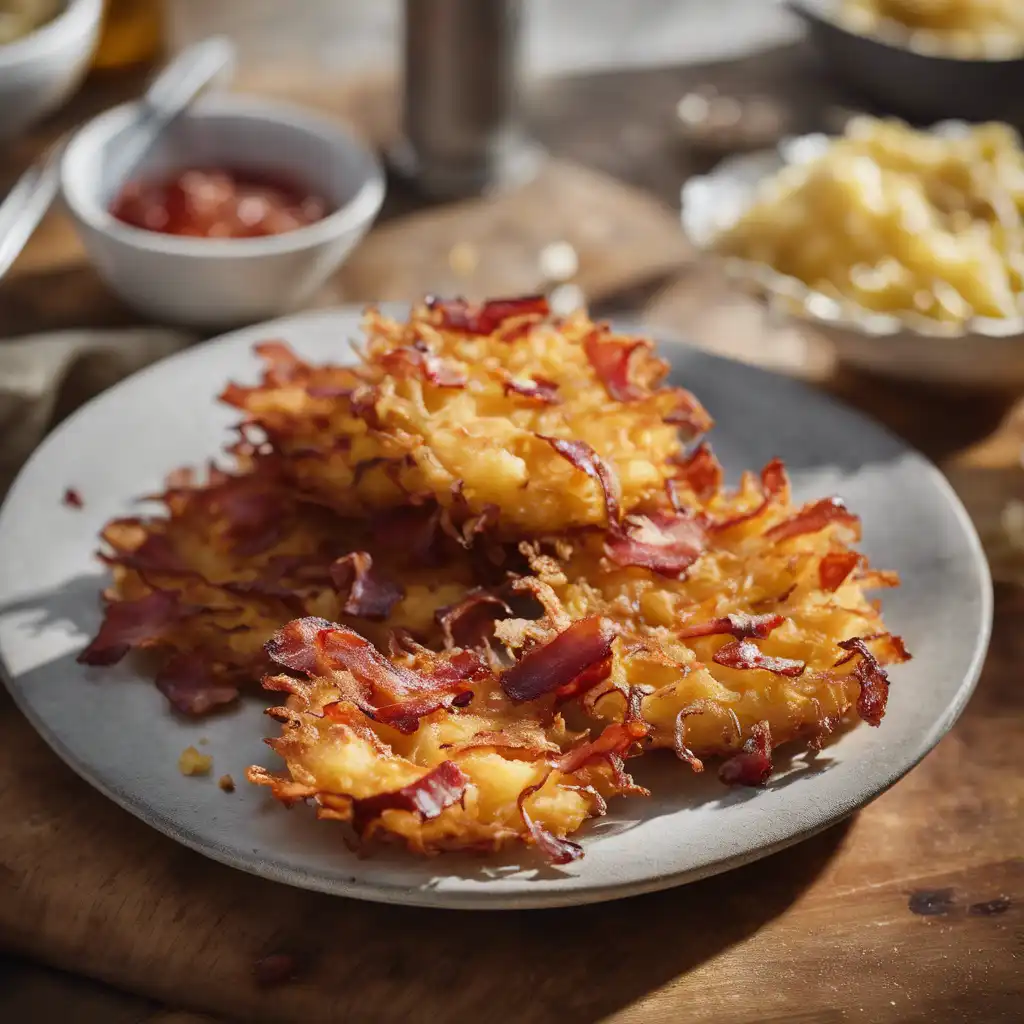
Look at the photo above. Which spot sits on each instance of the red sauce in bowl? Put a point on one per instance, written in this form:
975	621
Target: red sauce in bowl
218	203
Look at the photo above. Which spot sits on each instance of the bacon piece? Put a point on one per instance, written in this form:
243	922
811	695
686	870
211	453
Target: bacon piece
193	685
385	692
555	848
813	518
295	645
460	522
682	751
835	567
742	654
615	740
418	361
409	528
470	622
701	472
256	513
283	365
558	662
663	542
689	413
459	315
742	627
585	459
611	358
540	389
874	683
370	596
774	485
129	624
427	797
752	766
72	498
155	554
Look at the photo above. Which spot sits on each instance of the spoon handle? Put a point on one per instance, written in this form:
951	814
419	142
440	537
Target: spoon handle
26	204
170	94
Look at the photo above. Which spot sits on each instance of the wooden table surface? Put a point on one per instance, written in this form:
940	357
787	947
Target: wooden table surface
910	911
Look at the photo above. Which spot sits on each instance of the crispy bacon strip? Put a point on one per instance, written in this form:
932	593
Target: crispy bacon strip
813	518
874	683
559	662
428	796
774	485
835	567
752	766
689	413
555	848
701	472
611	358
615	740
155	554
283	365
682	751
385	692
128	624
410	528
370	596
470	622
540	389
459	315
665	543
418	361
585	459
194	686
742	627
742	654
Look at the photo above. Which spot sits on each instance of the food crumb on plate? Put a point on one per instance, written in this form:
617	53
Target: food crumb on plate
226	783
192	762
72	498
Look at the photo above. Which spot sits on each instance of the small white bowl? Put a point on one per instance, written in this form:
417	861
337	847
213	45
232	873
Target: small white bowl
224	282
982	354
40	71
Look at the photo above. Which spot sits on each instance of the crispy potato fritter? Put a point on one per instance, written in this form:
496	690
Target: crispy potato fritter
487	565
503	424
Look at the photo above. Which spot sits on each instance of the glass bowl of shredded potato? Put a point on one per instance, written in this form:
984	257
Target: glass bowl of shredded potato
924	59
904	247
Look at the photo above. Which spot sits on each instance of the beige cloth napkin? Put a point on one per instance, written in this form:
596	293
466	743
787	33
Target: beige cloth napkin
44	377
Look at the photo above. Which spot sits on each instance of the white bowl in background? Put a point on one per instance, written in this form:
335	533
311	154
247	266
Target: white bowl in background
984	353
41	70
223	282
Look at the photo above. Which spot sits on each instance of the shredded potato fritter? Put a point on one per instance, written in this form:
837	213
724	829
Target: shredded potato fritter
486	567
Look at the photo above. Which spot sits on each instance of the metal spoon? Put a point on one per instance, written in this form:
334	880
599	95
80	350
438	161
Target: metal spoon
172	92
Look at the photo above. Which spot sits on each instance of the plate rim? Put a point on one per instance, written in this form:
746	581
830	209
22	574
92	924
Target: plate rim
478	899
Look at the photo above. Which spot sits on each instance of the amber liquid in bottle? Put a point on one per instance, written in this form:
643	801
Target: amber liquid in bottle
133	33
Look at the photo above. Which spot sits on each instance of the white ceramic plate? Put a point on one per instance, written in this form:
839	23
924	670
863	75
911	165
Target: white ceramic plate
115	729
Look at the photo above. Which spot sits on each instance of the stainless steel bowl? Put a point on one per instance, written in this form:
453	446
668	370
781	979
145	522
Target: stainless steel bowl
921	86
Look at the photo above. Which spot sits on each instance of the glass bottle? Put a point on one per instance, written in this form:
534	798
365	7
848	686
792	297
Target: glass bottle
133	33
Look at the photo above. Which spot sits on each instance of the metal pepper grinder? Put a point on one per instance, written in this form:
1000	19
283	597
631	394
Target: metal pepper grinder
461	125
